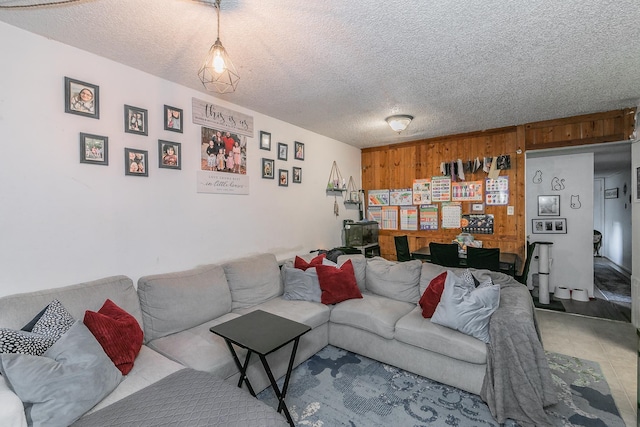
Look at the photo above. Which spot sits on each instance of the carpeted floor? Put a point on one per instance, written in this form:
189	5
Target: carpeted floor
340	388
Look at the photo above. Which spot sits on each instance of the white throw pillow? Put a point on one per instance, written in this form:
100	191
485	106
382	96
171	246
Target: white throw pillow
301	285
465	308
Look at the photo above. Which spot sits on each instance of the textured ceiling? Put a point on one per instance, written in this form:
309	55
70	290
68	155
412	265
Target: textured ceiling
339	67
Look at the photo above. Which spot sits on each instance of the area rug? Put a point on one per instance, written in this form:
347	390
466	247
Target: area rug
339	388
615	286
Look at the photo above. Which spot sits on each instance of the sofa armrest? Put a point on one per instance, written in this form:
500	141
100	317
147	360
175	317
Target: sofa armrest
11	408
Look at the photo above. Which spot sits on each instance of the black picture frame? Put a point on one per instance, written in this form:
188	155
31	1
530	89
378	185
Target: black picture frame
298	152
296	175
173	119
268	167
76	98
141	160
136	120
265	140
169	154
611	193
283	151
94	149
549	226
283	177
549	205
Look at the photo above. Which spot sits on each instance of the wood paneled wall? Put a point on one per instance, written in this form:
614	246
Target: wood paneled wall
396	166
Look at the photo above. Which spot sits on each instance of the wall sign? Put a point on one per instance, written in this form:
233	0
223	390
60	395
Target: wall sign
207	114
222	183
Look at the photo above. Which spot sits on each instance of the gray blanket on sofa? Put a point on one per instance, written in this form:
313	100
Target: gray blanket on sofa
186	398
518	383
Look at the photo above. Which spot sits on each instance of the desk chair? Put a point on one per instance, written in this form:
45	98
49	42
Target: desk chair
402	248
525	270
487	258
445	254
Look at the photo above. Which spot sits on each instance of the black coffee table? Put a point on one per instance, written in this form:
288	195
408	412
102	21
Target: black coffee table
262	333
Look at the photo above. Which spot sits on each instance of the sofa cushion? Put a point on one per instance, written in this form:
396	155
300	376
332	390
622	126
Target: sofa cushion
72	376
397	280
118	333
415	330
359	268
372	313
301	284
173	302
253	280
337	283
303	264
313	314
431	296
466	308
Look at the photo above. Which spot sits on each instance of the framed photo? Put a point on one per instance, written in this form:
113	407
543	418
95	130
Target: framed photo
297	175
298	150
265	140
169	155
136	162
611	193
282	151
549	226
267	168
548	205
81	98
135	120
172	119
94	149
284	178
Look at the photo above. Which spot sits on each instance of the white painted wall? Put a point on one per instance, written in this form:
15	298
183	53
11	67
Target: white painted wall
572	253
617	221
64	222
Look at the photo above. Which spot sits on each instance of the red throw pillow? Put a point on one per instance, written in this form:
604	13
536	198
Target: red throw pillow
118	333
431	296
303	265
337	284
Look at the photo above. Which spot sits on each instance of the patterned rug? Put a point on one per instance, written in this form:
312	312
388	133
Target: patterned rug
615	286
339	388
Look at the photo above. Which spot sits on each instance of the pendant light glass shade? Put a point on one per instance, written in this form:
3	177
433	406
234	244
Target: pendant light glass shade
399	122
218	73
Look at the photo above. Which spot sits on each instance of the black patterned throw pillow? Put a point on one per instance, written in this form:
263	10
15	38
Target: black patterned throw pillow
54	322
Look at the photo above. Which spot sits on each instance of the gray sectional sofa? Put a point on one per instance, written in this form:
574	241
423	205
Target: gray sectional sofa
177	309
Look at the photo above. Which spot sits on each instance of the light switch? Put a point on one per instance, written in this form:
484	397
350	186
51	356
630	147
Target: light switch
510	210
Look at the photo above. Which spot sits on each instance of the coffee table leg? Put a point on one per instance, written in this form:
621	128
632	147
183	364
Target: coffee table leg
242	368
281	405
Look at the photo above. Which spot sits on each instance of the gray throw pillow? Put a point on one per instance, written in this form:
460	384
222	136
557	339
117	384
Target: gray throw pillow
301	284
59	387
465	308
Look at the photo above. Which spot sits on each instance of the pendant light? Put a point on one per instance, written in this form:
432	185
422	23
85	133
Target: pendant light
218	74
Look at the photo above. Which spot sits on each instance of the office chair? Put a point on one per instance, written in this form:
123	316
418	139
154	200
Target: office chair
527	263
402	248
487	258
445	254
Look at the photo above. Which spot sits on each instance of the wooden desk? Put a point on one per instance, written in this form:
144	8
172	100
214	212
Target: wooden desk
507	259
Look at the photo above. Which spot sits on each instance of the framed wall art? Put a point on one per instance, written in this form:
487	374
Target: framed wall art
611	193
282	151
94	149
549	205
172	119
297	175
135	120
298	150
81	98
267	168
284	178
169	155
265	140
135	162
549	226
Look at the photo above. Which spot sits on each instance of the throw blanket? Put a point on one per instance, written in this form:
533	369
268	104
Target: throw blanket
186	398
518	383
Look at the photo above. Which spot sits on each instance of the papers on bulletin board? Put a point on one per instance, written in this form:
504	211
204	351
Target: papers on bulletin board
400	197
378	197
408	218
451	214
428	217
375	214
389	218
466	191
440	189
497	191
421	191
